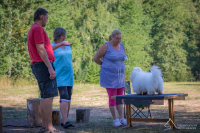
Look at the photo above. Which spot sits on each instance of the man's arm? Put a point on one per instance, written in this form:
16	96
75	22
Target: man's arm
43	54
63	43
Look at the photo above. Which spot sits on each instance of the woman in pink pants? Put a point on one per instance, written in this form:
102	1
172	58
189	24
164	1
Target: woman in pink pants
112	78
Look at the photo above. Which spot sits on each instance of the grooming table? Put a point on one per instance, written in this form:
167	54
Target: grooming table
150	99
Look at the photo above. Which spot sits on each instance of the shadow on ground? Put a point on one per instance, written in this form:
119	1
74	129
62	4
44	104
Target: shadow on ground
15	121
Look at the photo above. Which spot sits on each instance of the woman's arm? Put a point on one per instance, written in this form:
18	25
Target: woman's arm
100	53
63	43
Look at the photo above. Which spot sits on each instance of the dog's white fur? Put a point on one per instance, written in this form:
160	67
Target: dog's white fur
150	82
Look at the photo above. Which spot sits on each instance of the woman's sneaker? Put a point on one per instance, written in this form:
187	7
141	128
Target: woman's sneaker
123	121
116	123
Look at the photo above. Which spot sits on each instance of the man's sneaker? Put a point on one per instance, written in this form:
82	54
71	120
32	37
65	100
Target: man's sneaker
123	121
53	130
116	123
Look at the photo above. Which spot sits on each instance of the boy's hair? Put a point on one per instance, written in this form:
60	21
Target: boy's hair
38	13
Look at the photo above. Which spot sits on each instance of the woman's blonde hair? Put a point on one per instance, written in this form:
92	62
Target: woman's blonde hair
114	33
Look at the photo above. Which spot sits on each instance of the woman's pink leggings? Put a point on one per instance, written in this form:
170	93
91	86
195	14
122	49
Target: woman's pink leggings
114	92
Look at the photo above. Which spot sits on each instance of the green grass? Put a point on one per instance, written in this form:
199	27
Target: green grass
14	98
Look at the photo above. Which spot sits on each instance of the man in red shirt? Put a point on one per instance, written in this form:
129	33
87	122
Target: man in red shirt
42	57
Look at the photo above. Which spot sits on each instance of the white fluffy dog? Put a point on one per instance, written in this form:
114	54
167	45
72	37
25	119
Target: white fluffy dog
148	82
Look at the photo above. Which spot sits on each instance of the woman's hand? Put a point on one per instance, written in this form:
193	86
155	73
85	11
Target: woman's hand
67	43
100	53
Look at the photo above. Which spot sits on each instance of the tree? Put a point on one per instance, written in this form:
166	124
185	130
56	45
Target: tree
168	35
135	28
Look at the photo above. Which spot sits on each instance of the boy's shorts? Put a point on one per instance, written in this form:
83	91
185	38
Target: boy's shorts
48	87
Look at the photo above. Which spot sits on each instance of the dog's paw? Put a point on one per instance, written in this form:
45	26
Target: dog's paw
145	93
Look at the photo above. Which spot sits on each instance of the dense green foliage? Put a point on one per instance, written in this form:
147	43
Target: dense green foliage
161	32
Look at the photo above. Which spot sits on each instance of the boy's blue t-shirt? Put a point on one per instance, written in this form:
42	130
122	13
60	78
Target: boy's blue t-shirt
63	66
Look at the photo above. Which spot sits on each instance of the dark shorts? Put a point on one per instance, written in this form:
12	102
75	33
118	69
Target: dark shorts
65	93
48	87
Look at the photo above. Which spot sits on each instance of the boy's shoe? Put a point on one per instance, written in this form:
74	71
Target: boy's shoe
53	130
72	125
123	121
116	123
67	124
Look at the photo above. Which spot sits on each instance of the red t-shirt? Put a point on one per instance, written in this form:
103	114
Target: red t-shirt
35	36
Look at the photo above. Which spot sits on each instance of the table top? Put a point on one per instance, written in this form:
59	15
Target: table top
151	97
